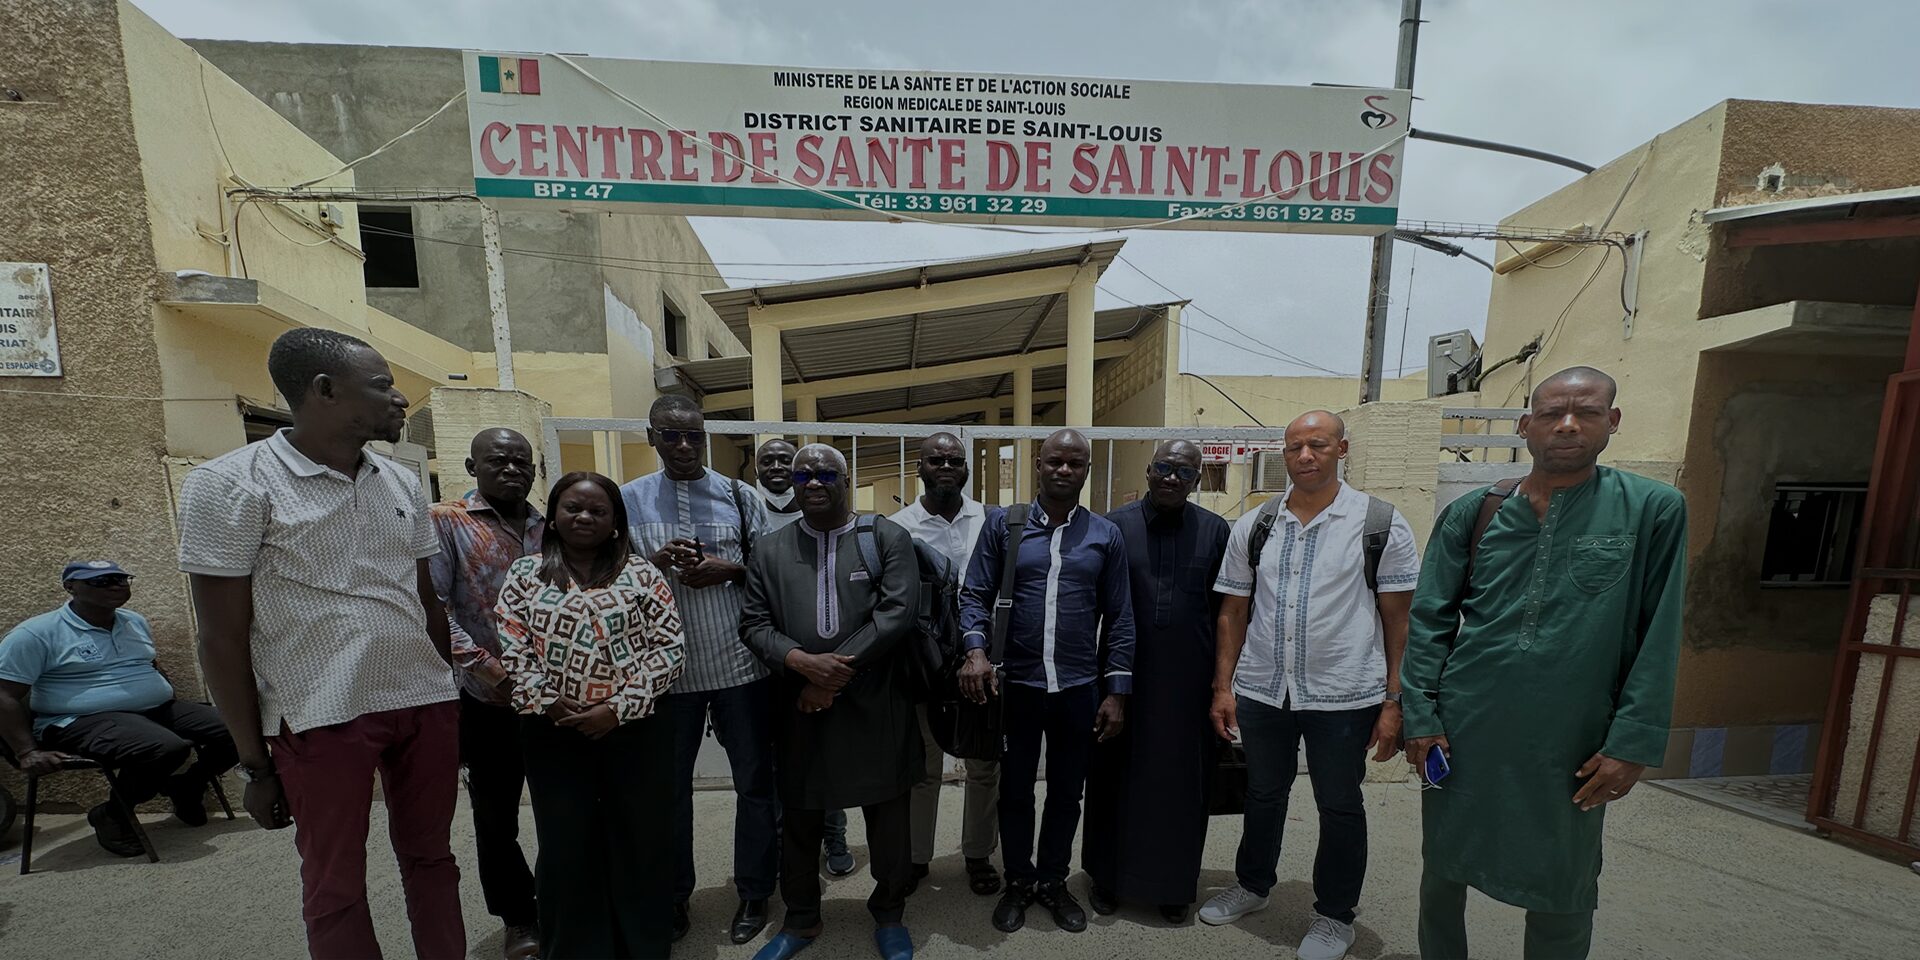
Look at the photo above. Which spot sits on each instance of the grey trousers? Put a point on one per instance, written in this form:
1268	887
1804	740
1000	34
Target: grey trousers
980	824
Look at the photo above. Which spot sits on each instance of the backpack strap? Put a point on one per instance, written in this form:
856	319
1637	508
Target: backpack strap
1262	531
1379	527
746	530
1489	505
869	545
1002	622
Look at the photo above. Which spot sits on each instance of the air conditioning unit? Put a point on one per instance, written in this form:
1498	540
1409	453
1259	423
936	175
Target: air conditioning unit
1269	471
1451	357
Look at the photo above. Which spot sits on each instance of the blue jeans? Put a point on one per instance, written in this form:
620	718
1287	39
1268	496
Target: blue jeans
1336	763
743	722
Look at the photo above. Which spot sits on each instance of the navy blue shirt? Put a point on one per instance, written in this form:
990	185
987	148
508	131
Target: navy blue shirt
1072	601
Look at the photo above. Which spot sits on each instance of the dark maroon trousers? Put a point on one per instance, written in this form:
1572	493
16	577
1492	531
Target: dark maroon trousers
328	776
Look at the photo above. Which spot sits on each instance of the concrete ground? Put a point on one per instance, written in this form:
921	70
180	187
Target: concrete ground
1683	880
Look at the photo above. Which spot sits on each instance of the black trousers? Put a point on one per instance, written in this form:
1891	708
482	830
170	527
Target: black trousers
600	811
889	846
147	746
1065	720
496	777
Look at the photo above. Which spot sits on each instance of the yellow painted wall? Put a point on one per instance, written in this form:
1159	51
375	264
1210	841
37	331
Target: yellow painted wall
1656	366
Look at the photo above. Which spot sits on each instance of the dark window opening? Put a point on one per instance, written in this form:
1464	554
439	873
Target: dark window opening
674	324
1812	533
1213	478
262	422
386	237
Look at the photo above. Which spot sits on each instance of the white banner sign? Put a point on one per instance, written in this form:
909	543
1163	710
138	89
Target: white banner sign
729	140
28	344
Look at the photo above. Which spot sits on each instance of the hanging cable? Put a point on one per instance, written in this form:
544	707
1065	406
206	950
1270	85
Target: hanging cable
410	131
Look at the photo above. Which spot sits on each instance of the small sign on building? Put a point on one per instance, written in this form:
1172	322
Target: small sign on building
29	346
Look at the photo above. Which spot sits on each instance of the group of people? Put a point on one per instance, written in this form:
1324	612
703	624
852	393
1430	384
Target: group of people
582	653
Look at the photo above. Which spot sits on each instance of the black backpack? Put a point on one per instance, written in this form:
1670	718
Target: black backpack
936	636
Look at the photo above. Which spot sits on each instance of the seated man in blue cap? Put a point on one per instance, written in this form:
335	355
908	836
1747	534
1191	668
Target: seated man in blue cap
97	694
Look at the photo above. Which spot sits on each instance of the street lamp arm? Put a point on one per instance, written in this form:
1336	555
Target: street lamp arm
1499	148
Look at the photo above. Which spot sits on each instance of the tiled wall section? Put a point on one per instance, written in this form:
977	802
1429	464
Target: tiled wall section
1739	751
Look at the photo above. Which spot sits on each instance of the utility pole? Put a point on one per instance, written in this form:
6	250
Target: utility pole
1373	356
497	295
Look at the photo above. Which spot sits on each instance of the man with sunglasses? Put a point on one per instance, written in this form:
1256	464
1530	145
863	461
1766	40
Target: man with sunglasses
700	529
1068	666
98	694
945	518
1318	585
829	602
1147	789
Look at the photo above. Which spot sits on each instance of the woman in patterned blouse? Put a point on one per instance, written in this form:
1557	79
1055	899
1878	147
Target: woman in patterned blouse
590	639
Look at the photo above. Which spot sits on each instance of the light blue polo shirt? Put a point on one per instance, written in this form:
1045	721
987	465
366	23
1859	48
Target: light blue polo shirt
77	669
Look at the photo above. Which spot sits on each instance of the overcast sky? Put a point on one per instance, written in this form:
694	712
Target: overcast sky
1586	80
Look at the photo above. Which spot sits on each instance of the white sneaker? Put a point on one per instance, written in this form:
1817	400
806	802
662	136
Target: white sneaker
1231	904
1327	939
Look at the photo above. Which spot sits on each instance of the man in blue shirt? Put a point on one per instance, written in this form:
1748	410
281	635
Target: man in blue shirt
96	693
1068	664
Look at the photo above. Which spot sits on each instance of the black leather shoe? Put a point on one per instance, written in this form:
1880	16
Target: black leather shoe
1174	913
1101	901
113	833
748	921
1011	913
1067	913
681	922
189	803
982	878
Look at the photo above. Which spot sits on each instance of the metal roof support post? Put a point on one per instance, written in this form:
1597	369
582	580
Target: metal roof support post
1023	417
497	296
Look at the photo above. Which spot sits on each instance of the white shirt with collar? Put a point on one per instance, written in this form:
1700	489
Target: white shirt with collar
953	538
1314	638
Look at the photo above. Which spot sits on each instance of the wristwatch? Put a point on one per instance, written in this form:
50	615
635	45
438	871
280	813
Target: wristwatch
252	775
1394	697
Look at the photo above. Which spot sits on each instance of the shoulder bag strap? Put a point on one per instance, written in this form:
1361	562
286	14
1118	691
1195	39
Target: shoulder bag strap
869	545
1262	531
1009	564
1489	505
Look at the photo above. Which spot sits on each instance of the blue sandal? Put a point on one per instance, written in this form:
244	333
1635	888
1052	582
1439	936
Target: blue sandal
782	946
895	943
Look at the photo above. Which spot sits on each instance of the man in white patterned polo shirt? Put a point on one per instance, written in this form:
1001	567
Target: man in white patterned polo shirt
325	646
1318	585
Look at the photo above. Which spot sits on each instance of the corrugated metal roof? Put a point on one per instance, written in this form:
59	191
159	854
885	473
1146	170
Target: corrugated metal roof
732	304
1809	205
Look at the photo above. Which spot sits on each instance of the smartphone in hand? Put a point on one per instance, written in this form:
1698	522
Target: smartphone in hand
1437	768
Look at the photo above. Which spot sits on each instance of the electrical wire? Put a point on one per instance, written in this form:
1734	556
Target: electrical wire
1258	343
698	144
1547	341
410	131
583	259
1228	396
1190	328
1406	314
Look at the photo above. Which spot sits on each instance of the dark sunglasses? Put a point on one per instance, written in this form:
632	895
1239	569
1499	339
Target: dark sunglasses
673	438
108	581
1162	468
827	478
938	462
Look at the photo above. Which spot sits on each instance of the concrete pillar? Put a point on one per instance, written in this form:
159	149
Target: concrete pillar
769	403
608	457
461	412
1080	350
1023	417
806	408
986	458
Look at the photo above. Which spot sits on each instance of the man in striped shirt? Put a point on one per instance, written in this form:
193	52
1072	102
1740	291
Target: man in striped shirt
698	527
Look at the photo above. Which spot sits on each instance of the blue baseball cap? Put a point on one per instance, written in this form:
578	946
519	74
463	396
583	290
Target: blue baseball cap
88	569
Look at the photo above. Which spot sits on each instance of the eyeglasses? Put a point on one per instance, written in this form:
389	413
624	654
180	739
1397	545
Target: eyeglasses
110	580
938	462
827	478
674	438
1162	468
